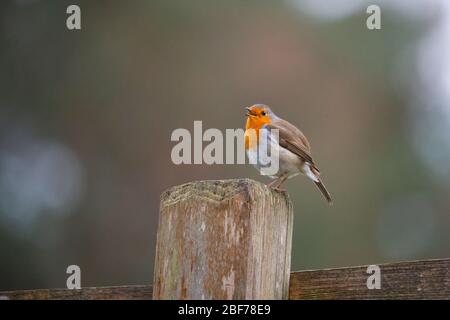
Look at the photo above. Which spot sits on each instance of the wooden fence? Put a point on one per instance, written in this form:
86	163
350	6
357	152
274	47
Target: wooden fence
232	240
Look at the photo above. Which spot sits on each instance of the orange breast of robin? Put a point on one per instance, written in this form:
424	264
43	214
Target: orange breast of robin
252	130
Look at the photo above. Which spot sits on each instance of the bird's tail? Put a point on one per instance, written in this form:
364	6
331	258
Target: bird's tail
324	191
314	175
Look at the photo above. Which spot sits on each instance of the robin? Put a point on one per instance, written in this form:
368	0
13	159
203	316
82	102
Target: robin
294	151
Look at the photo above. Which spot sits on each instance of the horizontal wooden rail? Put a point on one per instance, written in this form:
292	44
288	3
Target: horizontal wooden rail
426	279
91	293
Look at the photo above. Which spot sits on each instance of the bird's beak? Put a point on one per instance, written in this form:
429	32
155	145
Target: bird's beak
249	112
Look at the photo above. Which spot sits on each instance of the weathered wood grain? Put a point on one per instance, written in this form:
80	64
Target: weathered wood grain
92	293
224	239
427	279
232	240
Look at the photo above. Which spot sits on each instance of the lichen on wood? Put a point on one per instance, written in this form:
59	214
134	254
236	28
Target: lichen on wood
223	239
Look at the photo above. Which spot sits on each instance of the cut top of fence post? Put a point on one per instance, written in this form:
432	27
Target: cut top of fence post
224	239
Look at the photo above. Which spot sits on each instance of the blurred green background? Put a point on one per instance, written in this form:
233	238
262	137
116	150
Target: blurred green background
86	118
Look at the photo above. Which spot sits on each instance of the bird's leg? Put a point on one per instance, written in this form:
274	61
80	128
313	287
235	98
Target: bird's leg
282	179
273	182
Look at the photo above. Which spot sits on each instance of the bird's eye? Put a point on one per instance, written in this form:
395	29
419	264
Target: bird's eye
263	113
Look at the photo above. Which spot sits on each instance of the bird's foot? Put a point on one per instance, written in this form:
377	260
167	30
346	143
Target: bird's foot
272	183
278	189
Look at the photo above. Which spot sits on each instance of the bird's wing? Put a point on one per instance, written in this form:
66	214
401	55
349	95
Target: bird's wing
292	139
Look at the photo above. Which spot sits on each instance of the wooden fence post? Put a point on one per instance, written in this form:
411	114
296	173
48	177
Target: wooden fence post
225	239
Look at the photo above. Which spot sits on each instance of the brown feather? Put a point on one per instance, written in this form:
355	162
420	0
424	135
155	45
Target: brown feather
291	138
324	191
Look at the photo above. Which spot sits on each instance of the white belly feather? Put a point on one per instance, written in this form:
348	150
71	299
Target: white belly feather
289	163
